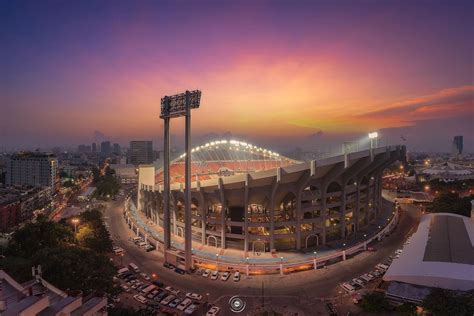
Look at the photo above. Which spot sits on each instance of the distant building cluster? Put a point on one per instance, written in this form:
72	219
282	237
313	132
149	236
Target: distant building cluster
445	171
457	148
18	204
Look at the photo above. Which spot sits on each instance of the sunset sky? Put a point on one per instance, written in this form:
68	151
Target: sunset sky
275	73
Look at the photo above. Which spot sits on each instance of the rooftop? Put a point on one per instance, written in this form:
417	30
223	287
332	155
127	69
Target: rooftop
439	254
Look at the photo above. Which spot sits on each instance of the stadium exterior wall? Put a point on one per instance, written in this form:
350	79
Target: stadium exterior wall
293	207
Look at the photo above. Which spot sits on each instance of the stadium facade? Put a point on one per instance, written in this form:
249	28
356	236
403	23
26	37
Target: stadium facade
252	199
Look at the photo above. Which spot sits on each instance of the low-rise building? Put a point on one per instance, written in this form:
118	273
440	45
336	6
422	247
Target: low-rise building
38	297
18	204
439	255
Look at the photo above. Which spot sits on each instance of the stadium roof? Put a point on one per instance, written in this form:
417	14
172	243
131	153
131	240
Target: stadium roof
223	158
232	150
440	254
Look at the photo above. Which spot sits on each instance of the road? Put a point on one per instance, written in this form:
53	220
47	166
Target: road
303	289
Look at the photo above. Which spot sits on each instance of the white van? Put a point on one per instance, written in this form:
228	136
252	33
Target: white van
122	271
349	288
134	267
182	306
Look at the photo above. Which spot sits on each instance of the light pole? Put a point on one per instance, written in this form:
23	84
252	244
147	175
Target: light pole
247	260
281	265
171	107
217	261
314	262
75	221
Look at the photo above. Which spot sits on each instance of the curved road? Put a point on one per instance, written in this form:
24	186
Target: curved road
302	288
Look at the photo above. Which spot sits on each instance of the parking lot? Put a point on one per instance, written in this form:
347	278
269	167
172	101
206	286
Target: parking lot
312	289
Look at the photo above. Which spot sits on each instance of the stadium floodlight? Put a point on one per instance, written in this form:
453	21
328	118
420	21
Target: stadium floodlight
175	105
373	135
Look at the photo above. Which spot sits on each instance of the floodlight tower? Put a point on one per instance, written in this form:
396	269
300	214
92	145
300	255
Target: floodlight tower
176	106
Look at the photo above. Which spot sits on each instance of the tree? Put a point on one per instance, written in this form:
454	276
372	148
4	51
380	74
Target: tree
18	267
27	240
76	268
452	203
445	302
374	303
408	309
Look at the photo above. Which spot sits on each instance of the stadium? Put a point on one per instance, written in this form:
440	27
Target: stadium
252	199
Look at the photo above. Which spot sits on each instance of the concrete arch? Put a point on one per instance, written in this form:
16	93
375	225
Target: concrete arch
214	238
178	230
262	243
309	236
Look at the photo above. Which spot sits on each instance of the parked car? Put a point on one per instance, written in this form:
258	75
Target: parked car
185	303
125	288
213	311
358	281
172	290
236	276
145	276
179	271
225	276
161	296
174	303
167	299
191	309
199	271
206	273
139	298
168	265
214	275
194	296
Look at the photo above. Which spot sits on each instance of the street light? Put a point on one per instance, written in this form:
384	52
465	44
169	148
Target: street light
217	261
75	221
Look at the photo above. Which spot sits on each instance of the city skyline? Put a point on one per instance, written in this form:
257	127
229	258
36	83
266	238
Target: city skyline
306	75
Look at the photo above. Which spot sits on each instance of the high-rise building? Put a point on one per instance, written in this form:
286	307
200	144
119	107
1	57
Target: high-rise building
84	149
457	146
141	152
35	169
94	147
105	148
117	150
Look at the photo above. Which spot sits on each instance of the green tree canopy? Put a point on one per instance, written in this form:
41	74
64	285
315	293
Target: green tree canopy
374	303
445	302
452	203
27	240
407	309
76	268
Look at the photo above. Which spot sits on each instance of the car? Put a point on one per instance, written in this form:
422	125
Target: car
358	281
191	309
134	286
153	304
139	298
152	294
199	271
225	276
167	299
215	275
145	276
236	276
150	248
125	288
172	290
179	271
174	303
185	303
168	265
206	273
194	296
213	311
161	296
